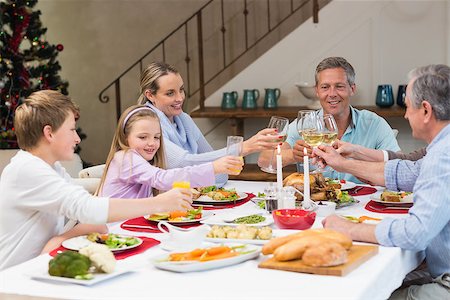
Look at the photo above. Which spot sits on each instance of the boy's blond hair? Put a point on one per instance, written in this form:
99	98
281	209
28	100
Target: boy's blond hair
41	108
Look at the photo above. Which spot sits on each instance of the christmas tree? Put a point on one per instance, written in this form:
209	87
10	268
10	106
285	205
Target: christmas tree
27	62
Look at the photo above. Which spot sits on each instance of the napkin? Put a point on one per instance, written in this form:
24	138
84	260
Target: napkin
149	226
361	190
383	209
230	205
147	243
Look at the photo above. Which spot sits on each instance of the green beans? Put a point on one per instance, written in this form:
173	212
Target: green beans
252	219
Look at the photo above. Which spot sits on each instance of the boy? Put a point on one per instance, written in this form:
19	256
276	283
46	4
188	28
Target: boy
35	190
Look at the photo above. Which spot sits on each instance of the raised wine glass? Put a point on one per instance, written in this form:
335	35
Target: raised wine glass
281	124
330	130
310	127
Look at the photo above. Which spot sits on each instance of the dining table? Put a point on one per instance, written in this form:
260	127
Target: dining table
376	278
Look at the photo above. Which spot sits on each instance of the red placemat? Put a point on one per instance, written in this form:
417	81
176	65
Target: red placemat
147	243
383	209
147	226
361	190
231	205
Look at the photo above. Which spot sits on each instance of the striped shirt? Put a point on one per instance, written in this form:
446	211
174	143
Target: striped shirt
427	226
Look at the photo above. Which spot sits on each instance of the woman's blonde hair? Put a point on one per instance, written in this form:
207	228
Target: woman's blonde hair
120	140
150	76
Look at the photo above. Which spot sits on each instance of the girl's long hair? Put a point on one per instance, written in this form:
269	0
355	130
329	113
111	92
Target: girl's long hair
120	139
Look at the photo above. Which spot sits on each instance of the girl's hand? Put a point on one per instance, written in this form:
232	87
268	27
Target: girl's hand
174	199
231	165
266	139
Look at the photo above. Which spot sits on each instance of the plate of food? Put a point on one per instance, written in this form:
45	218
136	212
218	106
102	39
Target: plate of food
240	234
115	242
340	184
180	217
73	267
214	195
233	219
363	219
202	259
391	198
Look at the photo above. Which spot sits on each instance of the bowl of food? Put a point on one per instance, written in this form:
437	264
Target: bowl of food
294	218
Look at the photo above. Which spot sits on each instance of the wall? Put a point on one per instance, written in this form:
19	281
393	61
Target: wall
383	40
101	39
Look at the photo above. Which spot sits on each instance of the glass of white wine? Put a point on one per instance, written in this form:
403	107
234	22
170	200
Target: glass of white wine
281	124
310	127
330	130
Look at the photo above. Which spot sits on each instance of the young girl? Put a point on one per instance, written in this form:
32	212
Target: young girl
136	161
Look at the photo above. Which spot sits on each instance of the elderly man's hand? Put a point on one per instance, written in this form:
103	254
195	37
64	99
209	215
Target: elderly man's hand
298	149
330	157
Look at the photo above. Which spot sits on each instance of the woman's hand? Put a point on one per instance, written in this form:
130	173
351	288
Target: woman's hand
231	165
266	139
345	149
174	199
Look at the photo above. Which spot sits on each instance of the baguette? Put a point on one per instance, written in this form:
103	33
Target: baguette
273	244
325	255
295	248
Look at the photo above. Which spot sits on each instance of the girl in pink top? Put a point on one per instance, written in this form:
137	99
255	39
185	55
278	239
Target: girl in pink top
135	164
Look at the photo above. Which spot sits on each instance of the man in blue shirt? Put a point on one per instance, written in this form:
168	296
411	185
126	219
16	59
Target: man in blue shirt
335	84
427	226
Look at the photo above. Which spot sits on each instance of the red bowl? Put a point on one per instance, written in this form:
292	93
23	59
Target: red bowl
294	218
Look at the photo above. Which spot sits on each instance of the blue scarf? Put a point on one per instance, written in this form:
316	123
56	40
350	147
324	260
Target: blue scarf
183	134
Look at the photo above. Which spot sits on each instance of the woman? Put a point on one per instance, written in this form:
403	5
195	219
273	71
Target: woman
162	89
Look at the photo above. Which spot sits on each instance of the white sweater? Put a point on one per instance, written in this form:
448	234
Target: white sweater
34	199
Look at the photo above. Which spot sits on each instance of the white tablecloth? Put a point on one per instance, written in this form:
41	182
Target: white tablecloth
374	279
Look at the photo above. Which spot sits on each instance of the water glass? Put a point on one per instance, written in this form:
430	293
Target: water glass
235	145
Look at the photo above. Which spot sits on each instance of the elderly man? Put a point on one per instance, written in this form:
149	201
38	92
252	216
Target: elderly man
427	226
335	84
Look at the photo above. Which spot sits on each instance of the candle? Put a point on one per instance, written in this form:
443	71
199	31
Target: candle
306	188
279	169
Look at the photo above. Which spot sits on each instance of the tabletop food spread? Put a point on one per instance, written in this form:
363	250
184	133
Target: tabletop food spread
242	238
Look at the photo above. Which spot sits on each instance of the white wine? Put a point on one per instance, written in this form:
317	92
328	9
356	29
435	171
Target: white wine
312	137
329	137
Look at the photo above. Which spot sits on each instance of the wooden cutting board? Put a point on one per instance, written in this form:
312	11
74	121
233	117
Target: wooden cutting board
356	256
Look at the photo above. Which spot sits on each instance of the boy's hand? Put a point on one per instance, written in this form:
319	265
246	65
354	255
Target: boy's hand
231	165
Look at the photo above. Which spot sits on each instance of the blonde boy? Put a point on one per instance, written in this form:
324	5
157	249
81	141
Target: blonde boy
36	193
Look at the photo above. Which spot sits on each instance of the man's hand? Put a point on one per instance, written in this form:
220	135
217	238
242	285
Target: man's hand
356	231
330	157
299	152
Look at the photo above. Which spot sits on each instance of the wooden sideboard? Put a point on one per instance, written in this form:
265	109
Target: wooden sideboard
237	116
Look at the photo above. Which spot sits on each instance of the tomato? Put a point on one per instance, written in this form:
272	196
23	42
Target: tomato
342	181
198	216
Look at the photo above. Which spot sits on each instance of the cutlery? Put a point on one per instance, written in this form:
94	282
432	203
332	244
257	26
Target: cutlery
356	190
140	226
391	207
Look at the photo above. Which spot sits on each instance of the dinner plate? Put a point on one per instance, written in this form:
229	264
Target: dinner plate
408	203
250	252
205	215
208	200
79	242
275	233
222	220
347	185
42	274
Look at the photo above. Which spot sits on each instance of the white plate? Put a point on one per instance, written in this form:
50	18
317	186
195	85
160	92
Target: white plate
42	273
193	266
347	185
275	233
168	245
208	200
220	220
408	203
205	215
79	242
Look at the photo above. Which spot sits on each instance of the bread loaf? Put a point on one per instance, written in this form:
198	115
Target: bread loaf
295	248
390	196
273	244
325	255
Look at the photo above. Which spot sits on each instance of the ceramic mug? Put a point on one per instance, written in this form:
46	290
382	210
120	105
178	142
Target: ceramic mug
183	239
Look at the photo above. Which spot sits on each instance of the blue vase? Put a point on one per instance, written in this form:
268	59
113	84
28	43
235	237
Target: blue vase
385	96
401	95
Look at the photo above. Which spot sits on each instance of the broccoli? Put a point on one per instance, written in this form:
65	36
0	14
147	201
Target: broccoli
69	264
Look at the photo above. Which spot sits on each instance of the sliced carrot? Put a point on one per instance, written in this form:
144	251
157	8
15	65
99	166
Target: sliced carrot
197	252
177	214
218	250
219	256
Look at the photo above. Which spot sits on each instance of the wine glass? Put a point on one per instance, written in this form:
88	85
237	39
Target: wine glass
330	130
281	124
310	127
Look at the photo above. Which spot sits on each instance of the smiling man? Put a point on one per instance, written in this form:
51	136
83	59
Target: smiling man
335	85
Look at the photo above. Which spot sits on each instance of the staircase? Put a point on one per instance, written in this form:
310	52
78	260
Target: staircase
217	42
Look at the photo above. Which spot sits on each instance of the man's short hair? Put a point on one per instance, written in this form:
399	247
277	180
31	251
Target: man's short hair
432	83
333	63
41	108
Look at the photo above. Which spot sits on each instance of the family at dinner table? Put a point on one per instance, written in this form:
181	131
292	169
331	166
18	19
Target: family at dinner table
156	143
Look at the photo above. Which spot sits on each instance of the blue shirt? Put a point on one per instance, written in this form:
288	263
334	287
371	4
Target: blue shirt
366	128
427	226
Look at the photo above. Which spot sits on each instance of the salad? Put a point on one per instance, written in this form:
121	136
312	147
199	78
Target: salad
216	193
177	216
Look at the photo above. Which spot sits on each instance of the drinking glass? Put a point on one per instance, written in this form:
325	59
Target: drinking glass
330	130
183	182
235	146
281	124
310	127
